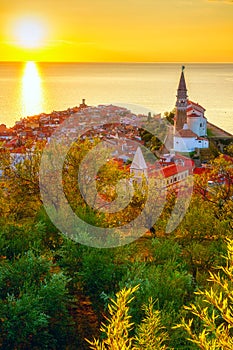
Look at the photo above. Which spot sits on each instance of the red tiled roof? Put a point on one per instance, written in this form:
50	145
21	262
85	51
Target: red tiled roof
12	142
187	161
199	171
186	133
170	170
173	170
21	149
191	103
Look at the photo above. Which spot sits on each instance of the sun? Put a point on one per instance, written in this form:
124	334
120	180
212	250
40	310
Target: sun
29	33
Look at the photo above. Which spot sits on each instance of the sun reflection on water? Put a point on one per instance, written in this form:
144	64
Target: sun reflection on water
32	93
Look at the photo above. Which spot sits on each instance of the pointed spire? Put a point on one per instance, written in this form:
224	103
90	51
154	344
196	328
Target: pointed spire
138	161
138	167
181	103
182	90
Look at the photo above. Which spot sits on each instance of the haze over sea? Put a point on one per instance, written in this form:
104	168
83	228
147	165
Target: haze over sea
32	88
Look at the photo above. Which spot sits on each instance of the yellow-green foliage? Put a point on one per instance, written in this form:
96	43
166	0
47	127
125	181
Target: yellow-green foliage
118	325
217	316
117	330
150	334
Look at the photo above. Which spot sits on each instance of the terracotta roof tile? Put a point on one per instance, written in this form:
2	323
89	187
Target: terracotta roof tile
195	104
186	133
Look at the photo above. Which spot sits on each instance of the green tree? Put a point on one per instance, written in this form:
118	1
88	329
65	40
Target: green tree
229	149
34	304
201	237
20	183
215	186
170	116
214	310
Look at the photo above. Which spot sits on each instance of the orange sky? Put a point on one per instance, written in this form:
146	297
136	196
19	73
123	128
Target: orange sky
117	30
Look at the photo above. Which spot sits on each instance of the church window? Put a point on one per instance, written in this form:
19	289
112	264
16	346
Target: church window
200	125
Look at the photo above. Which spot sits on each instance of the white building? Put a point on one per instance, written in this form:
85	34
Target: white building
190	126
187	141
196	120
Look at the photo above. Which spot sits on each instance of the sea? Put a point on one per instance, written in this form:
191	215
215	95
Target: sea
30	88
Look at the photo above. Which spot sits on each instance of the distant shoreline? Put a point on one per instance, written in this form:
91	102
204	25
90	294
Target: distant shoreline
151	85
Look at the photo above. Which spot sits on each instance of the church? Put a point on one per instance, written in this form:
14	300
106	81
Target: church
188	134
190	123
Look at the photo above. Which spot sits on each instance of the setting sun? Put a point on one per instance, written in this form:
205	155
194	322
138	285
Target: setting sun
29	33
116	31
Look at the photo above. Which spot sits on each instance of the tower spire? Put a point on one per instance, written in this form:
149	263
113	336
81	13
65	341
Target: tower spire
181	103
182	90
138	166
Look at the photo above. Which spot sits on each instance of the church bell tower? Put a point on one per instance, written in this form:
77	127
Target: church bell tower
181	103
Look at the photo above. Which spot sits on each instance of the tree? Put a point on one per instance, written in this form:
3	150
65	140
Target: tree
214	310
229	149
151	141
34	305
215	186
170	116
201	236
20	183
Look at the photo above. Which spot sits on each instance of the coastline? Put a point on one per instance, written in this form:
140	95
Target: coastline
150	85
218	132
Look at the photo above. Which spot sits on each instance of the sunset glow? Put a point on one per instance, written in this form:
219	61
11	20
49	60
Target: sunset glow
31	98
117	31
29	33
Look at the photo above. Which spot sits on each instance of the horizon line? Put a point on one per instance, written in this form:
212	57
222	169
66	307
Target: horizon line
122	62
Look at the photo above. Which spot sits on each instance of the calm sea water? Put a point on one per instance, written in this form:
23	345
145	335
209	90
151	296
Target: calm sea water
32	88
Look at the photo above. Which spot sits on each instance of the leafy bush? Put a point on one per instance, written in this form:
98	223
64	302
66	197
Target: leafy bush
34	305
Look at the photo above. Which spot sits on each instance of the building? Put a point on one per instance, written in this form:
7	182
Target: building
138	166
187	141
196	119
190	124
181	104
167	174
